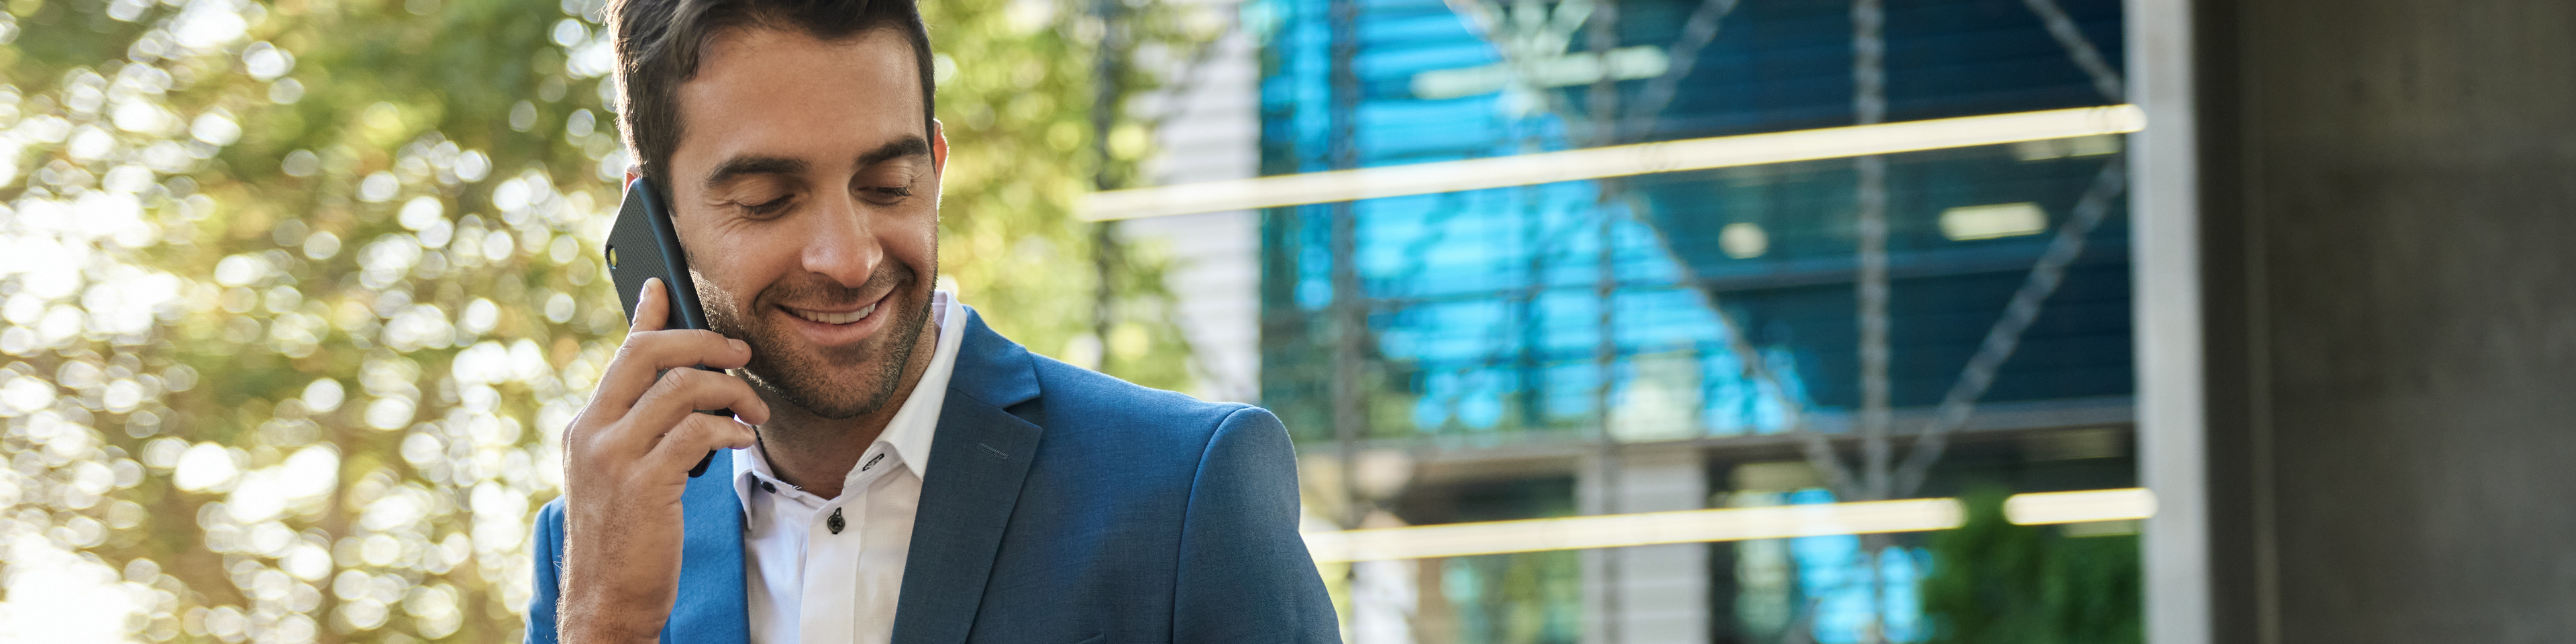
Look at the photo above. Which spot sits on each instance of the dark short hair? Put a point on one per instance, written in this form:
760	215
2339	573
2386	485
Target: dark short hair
659	43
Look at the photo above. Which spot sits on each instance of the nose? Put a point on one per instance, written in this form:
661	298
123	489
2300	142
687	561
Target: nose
842	242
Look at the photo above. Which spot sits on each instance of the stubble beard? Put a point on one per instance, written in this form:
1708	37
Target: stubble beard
835	383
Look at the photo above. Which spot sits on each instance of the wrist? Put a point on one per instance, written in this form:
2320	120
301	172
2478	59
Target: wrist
594	631
591	620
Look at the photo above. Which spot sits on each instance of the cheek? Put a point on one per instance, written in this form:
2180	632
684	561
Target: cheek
738	264
916	243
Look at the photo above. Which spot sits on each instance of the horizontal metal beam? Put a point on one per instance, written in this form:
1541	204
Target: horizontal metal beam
1619	530
1613	161
2043	508
1726	524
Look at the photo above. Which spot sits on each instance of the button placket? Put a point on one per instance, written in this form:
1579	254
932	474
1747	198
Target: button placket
828	599
855	491
833	600
858	486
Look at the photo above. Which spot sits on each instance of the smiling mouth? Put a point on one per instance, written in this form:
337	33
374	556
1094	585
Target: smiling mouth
846	317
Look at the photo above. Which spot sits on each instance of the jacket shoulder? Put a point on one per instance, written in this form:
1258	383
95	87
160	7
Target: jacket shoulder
1073	397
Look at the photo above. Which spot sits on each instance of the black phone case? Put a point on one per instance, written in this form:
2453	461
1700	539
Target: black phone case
641	246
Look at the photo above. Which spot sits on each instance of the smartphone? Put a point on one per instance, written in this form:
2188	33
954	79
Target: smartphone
642	245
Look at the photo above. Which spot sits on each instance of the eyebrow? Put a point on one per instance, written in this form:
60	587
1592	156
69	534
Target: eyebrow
909	146
738	167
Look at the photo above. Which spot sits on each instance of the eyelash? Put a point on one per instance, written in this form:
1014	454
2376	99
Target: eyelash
769	208
772	206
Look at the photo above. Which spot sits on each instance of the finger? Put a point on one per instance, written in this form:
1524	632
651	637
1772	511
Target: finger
646	353
683	392
681	448
644	356
652	308
670	403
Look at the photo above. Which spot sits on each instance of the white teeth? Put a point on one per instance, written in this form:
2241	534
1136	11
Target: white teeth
836	318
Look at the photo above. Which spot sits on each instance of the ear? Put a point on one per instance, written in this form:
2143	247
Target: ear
938	147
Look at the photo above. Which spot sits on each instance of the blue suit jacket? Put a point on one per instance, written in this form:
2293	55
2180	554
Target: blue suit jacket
1062	507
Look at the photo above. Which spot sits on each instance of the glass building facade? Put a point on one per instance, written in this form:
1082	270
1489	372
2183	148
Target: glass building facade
1712	313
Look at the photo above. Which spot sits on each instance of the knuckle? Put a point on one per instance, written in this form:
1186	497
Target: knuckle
671	380
653	390
691	431
649	342
731	386
630	355
579	430
710	432
677	431
634	344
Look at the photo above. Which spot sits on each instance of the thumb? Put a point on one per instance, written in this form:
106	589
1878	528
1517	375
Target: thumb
652	307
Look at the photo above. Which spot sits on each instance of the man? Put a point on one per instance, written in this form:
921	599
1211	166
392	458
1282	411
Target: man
896	471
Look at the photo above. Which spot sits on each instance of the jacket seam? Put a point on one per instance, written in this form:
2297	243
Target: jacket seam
1189	512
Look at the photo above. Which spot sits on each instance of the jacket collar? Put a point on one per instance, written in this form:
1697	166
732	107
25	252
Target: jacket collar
979	459
992	368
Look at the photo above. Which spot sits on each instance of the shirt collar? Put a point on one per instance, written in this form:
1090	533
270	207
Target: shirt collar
908	434
914	424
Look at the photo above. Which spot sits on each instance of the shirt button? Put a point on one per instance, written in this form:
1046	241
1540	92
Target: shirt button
835	522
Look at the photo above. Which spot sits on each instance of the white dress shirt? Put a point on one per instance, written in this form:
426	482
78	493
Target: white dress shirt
828	571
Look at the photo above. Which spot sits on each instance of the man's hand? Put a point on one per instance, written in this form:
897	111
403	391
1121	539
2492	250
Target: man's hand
626	461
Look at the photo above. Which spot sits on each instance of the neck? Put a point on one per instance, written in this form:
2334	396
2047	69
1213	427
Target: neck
815	453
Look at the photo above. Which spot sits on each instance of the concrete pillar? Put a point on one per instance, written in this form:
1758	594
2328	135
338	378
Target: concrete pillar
2388	207
1646	594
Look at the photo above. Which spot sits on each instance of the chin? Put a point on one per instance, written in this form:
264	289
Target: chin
857	379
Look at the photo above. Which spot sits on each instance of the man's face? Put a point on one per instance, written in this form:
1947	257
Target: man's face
807	193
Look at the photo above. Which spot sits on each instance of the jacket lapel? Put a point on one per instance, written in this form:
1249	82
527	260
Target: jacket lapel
979	456
711	607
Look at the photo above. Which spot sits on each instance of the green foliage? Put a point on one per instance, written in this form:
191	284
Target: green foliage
1019	92
297	296
1999	583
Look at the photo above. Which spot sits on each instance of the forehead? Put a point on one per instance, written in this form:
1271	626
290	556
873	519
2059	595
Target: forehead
784	92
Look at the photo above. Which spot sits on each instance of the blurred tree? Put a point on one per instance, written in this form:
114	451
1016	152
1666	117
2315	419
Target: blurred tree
297	296
1998	583
1020	96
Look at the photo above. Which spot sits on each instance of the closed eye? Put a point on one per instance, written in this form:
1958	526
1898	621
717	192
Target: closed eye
770	207
888	195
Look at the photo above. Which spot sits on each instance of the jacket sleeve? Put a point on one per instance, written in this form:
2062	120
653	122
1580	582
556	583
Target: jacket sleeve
1245	574
548	544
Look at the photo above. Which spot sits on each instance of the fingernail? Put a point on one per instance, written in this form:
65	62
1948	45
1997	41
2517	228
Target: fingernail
739	345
